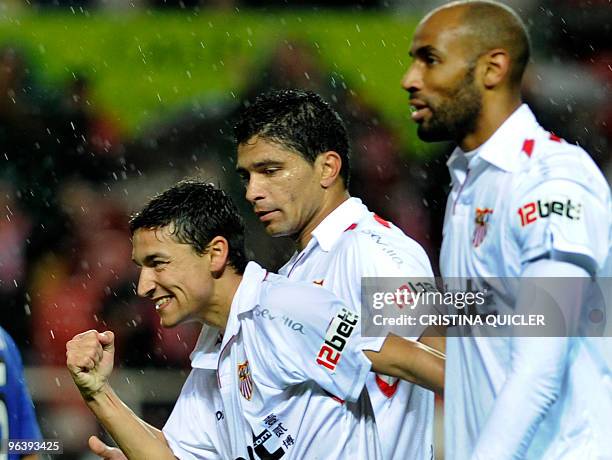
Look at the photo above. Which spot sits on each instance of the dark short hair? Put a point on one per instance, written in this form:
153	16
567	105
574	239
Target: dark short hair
298	120
199	212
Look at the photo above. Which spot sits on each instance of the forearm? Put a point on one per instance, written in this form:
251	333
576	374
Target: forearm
434	338
136	438
528	393
411	361
538	364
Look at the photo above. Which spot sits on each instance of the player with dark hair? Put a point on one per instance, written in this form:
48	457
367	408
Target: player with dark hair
283	116
279	368
17	417
293	157
197	213
524	204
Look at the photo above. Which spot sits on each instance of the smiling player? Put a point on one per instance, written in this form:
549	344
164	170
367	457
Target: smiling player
279	368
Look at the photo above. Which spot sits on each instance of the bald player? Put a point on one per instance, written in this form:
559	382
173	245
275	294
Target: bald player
524	204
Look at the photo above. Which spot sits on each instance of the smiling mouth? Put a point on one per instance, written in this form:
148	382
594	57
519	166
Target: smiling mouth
162	302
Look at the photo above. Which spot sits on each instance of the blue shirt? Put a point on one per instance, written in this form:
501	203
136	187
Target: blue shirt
17	417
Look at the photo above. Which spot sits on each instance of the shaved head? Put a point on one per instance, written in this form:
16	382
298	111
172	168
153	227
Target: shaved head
487	25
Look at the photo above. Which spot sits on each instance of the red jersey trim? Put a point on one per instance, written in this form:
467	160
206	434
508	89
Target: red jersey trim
382	221
387	390
528	147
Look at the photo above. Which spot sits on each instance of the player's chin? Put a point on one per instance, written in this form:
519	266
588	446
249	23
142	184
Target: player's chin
276	229
168	320
429	133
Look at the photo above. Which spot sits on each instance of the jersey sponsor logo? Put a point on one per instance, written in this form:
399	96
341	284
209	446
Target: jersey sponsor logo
285	320
245	380
385	247
541	209
481	221
338	333
259	450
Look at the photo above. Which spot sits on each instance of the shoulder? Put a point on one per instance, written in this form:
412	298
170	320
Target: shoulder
551	159
8	349
374	244
283	303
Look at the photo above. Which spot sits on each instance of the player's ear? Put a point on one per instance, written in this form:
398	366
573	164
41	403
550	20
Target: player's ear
218	253
330	164
496	67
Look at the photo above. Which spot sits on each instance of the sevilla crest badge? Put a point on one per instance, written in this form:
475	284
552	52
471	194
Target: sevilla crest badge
245	380
481	222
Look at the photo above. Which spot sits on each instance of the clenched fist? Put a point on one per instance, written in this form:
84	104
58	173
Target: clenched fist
89	357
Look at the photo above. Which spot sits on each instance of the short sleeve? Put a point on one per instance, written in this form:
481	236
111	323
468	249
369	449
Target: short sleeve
386	262
191	430
323	344
562	220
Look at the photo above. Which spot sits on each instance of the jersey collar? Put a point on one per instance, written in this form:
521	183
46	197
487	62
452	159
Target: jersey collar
334	225
206	352
502	149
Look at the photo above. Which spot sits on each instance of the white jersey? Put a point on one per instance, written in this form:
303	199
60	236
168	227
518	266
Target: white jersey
351	243
525	195
286	380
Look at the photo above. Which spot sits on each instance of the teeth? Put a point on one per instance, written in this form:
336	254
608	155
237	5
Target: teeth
161	302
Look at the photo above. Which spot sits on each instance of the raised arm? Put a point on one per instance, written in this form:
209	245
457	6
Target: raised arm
410	360
89	358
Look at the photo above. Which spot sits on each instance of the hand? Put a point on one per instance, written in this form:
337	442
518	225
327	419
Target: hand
89	357
104	451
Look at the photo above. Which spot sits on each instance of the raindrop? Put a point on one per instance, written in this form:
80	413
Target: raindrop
52	334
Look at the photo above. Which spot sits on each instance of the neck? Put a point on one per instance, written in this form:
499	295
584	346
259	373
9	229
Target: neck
495	112
332	199
224	290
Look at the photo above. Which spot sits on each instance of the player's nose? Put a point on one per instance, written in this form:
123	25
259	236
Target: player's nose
412	81
254	190
146	283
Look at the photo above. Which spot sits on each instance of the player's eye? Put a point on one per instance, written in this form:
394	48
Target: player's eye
430	59
244	178
158	264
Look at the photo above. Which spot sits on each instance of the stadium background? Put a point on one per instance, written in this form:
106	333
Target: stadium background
104	103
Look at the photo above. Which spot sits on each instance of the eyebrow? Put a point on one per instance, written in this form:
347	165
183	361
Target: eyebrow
423	50
150	258
260	164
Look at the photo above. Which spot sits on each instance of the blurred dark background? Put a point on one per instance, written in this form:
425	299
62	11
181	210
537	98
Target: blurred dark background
74	165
